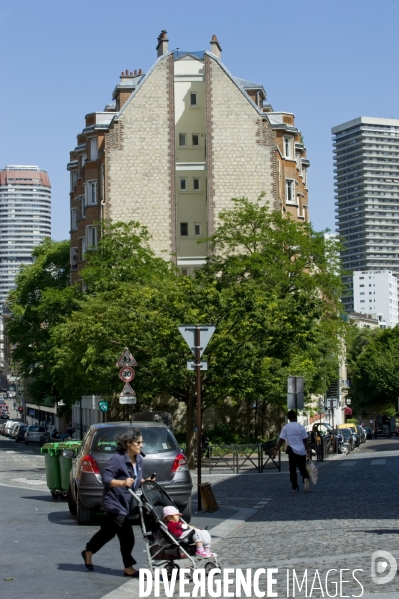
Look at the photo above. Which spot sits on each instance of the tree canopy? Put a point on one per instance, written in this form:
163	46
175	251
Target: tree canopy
271	286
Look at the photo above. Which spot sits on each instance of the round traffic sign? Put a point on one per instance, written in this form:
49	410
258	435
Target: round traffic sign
126	374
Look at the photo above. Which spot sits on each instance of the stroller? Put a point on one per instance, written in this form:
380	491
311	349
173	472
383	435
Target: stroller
163	549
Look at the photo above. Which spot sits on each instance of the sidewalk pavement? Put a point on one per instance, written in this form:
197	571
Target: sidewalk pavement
351	513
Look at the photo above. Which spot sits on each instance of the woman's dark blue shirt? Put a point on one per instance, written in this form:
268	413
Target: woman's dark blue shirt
116	500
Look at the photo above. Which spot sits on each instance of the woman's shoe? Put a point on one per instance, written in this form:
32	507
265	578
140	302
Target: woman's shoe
210	554
134	575
88	566
201	553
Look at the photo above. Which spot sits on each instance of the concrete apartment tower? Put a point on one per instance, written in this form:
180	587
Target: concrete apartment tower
375	292
172	150
366	161
25	220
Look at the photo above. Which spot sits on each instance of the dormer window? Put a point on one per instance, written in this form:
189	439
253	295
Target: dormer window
288	147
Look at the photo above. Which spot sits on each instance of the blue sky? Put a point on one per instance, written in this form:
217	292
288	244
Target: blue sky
326	61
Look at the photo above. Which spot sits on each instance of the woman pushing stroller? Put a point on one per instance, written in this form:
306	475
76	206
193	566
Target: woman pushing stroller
179	529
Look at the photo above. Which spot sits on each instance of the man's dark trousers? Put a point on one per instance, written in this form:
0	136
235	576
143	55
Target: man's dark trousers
296	461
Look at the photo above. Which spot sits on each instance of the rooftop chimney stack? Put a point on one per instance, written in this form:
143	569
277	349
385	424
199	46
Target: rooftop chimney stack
162	46
215	47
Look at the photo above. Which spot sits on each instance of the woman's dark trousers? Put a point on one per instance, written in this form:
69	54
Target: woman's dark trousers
115	524
296	461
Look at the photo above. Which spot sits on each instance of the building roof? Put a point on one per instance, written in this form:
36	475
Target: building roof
179	54
248	84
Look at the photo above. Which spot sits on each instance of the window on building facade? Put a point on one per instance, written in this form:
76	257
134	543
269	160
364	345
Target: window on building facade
74	178
196	184
182	139
288	147
74	258
91	193
82	201
290	191
93	148
195	140
183	229
83	160
193	99
83	248
184	272
183	184
197	229
74	218
91	237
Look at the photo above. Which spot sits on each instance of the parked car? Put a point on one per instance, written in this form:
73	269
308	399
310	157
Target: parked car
348	437
369	432
162	456
9	424
14	429
33	433
361	433
20	436
2	427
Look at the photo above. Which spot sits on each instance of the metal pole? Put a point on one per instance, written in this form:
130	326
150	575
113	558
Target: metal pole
199	413
81	420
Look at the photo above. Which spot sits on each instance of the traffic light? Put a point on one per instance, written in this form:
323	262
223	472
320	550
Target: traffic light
20	409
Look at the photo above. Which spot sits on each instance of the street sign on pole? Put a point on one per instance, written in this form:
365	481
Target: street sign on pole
128	390
126	359
188	332
295	393
103	405
126	374
191	365
332	402
127	400
197	338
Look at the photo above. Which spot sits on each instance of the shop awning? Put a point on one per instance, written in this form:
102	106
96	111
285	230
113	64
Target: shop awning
348	411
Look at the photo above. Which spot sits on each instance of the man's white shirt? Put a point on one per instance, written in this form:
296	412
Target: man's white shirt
294	433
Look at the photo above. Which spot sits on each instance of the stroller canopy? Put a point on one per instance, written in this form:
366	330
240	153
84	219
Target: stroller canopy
156	497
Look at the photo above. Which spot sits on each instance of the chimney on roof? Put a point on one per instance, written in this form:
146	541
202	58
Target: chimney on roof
162	46
216	47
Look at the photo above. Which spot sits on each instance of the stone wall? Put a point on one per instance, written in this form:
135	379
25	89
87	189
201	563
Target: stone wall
240	145
139	158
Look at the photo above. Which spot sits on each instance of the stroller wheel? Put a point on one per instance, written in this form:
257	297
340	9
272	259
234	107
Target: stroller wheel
170	566
208	567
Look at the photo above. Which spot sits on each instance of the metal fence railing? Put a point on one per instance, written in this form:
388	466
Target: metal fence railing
240	458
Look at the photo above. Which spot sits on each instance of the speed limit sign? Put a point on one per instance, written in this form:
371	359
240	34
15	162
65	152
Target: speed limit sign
126	374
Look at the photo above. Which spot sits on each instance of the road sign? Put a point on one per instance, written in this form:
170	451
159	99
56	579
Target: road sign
332	402
191	365
103	405
295	384
299	404
126	374
128	390
126	359
188	333
127	400
371	421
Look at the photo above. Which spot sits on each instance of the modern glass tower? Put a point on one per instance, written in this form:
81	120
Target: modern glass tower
25	219
366	161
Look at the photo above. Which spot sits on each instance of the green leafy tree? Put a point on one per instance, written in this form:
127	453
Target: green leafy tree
42	298
374	360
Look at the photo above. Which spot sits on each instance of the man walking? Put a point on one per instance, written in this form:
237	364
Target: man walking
297	448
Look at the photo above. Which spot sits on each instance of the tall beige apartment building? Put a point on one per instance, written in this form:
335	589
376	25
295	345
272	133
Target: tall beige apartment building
172	150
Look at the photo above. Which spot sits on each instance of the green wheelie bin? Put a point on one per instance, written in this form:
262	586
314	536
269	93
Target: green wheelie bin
66	462
51	453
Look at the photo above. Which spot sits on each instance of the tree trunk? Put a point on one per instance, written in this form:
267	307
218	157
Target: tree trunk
190	434
249	416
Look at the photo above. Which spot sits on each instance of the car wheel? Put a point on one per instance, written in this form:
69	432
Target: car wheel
186	513
83	513
71	501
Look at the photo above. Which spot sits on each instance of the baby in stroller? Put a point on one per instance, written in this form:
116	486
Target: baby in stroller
181	530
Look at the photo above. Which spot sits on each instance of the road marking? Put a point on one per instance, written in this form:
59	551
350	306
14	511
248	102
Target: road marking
28	481
378	462
349	463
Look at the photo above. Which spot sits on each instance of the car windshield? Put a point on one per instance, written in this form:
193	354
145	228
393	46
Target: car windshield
155	440
36	429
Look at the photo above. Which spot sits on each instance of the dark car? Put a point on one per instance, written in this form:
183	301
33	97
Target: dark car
162	456
369	432
20	436
348	437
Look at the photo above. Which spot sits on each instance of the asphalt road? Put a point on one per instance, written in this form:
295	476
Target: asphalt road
41	542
